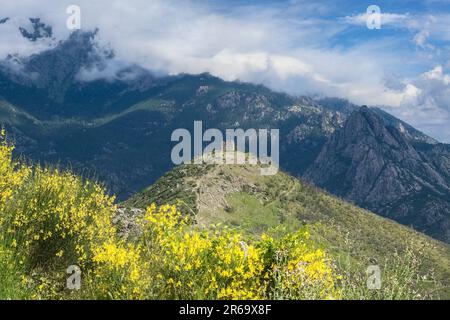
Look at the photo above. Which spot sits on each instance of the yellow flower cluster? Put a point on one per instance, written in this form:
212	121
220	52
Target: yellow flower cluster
204	264
49	215
119	271
198	264
50	219
298	270
11	174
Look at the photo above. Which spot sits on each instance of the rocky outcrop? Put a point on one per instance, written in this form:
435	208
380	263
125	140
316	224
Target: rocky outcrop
126	220
377	167
118	130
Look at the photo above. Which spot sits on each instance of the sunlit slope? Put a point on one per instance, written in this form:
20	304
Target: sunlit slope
239	196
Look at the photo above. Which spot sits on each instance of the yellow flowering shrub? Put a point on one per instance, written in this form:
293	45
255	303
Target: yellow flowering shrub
50	219
199	264
119	272
12	174
49	216
195	264
298	270
12	285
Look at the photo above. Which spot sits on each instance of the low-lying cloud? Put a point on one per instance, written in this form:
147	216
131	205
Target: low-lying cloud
271	44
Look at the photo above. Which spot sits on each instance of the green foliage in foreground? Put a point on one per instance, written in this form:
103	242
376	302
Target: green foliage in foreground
259	250
356	238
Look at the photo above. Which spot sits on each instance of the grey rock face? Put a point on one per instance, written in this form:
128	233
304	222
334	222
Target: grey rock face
126	221
119	131
377	167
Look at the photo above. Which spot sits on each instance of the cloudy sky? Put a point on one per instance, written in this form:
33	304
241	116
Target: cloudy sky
300	47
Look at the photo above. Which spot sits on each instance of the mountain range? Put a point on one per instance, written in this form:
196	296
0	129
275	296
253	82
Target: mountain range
62	106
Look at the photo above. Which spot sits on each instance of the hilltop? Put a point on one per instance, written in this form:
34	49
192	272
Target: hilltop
238	196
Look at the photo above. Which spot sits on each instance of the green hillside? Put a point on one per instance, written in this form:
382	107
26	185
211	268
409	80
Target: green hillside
240	197
53	221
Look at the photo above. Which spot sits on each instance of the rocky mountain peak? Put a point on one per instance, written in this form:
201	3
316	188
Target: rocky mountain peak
371	125
362	154
366	134
372	163
66	58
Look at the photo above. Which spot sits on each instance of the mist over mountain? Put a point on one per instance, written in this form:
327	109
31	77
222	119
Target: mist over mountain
75	105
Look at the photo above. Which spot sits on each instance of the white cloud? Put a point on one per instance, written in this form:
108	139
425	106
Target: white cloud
426	103
387	19
420	39
12	42
253	45
437	74
269	45
425	27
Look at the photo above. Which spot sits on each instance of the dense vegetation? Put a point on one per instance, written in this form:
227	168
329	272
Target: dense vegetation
52	219
239	197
